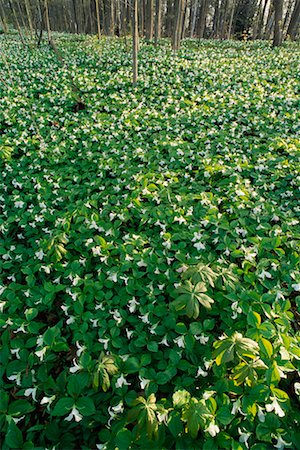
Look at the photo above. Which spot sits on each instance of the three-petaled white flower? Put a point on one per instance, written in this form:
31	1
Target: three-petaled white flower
144	382
74	414
40	254
274	406
201	373
212	429
76	367
121	381
31	392
280	444
180	341
41	353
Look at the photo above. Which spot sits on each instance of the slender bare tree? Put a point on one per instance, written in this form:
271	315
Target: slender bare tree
278	10
158	13
98	19
135	41
294	21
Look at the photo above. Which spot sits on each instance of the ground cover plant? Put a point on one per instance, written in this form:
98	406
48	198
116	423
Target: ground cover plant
149	246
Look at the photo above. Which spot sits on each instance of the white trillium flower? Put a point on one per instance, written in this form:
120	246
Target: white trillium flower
236	407
113	277
202	339
74	414
18	419
104	342
19	204
129	333
162	417
264	274
212	429
182	269
144	382
80	348
113	411
236	310
274	406
164	341
76	367
94	322
260	414
40	254
296	287
199	246
244	436
132	304
180	341
297	388
70	320
145	318
16	378
31	392
15	351
121	381
280	444
116	316
41	353
201	373
47	400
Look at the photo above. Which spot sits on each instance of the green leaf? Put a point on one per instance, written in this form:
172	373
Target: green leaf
4	399
14	438
190	296
224	415
253	318
86	406
20	407
31	313
63	406
152	346
123	439
195	415
175	424
265	347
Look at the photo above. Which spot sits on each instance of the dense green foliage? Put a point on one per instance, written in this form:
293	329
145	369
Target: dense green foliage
149	246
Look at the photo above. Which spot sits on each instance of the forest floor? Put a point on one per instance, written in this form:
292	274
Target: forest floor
149	245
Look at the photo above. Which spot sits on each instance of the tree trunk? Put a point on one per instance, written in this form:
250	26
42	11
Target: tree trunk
287	15
269	21
98	19
109	17
149	20
29	20
202	18
170	17
231	19
17	22
216	20
258	33
179	14
278	6
294	21
3	19
135	41
223	18
157	21
194	11
47	22
75	17
183	20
